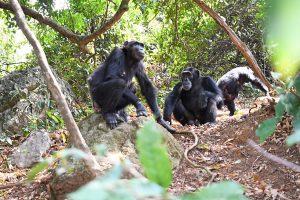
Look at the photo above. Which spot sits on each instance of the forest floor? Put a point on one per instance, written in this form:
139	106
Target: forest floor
222	149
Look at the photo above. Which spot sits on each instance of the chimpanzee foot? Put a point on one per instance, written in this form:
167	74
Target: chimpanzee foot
111	120
166	125
141	110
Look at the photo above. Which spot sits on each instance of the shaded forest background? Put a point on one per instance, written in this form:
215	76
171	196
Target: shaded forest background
176	34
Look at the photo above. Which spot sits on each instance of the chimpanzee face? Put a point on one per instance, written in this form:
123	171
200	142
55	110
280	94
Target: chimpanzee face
134	49
186	77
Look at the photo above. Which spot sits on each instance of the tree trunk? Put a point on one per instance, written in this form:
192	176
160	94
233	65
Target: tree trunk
76	138
236	40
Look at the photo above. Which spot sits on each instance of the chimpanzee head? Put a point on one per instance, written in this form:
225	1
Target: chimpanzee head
188	76
134	49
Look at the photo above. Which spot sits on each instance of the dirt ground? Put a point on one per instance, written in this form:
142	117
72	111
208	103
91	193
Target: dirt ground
221	149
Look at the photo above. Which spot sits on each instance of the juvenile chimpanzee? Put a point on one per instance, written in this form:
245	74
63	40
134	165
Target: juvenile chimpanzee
194	100
112	90
232	82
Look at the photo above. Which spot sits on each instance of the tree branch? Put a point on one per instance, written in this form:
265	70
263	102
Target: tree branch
81	41
76	138
122	9
273	157
236	40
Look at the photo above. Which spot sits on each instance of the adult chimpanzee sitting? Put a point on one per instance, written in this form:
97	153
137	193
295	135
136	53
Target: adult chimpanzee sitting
232	82
194	100
112	90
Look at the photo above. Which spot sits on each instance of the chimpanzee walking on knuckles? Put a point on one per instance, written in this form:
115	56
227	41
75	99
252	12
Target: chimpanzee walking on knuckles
112	89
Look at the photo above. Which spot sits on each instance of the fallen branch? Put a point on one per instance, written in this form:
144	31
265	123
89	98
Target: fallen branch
10	185
272	157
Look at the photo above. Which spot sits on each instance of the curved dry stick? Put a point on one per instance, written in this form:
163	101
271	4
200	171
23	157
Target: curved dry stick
272	157
196	141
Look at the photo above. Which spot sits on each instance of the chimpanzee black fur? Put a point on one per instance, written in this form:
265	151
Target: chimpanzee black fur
232	82
112	90
194	100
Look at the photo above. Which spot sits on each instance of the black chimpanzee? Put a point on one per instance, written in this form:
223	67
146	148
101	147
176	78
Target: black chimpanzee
232	82
194	100
112	90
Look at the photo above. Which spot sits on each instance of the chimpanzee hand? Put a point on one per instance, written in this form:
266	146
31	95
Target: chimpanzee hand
165	125
111	120
141	110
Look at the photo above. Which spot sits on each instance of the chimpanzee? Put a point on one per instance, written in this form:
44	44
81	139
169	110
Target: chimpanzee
232	82
112	90
194	100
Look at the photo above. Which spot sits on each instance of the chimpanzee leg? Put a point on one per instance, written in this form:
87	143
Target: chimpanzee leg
211	111
182	115
129	97
231	106
108	95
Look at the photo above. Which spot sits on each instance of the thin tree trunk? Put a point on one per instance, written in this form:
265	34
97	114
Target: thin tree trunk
236	40
76	138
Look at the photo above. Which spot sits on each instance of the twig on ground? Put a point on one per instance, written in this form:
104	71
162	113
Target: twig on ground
196	141
272	157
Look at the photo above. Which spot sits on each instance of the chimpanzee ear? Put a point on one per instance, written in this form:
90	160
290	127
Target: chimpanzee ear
125	44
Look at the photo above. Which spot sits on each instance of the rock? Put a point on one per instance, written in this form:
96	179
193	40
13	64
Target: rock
120	143
121	140
31	151
24	96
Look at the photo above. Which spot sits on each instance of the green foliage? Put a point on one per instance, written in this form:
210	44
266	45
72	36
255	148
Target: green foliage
266	128
218	191
283	30
62	155
39	167
113	188
153	155
284	44
289	102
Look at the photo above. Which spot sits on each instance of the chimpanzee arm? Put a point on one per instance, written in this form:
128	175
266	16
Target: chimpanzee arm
258	84
148	90
210	85
171	101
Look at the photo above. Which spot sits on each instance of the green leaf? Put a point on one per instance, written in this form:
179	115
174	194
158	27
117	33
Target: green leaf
279	109
291	103
153	154
226	190
297	84
266	129
76	153
118	190
295	137
39	167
